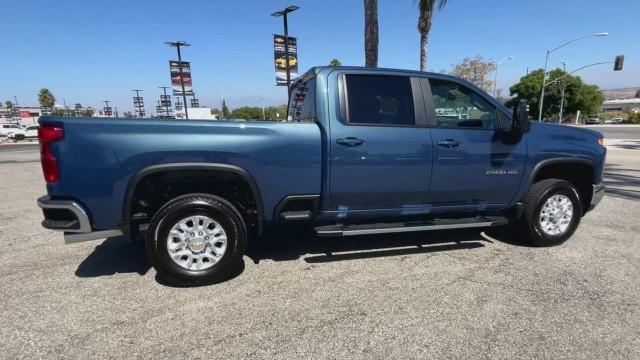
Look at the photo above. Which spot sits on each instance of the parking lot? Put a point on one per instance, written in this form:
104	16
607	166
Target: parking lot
455	294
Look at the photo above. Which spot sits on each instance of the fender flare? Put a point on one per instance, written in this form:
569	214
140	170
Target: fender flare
214	167
551	161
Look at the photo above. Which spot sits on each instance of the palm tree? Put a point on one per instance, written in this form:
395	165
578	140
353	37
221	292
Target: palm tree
46	99
335	62
424	26
371	33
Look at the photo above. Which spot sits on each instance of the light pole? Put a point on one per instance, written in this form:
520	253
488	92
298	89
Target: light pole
139	107
564	86
164	99
106	108
495	79
546	61
284	13
177	45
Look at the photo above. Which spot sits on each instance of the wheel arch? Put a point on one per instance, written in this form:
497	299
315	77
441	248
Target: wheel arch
569	169
212	168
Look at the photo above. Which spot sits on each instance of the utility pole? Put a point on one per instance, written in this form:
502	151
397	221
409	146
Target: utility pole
164	99
177	45
16	101
284	13
564	86
66	108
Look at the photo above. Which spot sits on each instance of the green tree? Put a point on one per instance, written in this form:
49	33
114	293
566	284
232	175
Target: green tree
425	8
371	33
475	70
46	99
335	62
58	112
225	110
276	112
247	112
578	95
87	112
8	104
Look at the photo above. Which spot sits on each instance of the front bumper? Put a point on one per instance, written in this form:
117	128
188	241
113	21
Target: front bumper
596	197
71	217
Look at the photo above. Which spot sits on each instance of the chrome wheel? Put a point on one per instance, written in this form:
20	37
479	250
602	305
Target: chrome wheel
197	242
556	215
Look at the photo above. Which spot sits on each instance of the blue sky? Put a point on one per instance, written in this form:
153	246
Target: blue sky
88	51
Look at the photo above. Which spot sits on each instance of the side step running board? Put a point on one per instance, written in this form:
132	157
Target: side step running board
388	228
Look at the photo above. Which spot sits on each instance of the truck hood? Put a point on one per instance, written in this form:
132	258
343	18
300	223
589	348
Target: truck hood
565	129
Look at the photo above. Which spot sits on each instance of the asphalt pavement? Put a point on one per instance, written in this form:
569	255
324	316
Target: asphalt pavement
457	295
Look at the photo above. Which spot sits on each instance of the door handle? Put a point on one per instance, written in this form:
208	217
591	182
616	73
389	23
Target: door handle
449	143
350	141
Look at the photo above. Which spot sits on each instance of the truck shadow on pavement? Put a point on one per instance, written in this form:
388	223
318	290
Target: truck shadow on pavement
622	182
116	255
302	243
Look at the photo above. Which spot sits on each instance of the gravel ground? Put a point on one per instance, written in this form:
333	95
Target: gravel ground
430	295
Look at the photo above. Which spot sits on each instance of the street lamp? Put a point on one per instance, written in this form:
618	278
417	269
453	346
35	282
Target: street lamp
546	60
284	13
495	80
177	45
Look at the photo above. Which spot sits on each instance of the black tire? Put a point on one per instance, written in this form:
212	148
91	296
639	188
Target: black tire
539	193
189	205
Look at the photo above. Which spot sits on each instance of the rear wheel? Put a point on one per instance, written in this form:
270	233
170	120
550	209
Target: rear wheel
552	212
196	239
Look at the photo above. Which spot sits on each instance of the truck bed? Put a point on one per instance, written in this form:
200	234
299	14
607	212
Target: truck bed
98	157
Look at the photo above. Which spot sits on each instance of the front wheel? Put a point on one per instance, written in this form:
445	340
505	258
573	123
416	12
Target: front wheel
196	239
552	212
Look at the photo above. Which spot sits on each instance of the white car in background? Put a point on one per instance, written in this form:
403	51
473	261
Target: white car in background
31	132
12	131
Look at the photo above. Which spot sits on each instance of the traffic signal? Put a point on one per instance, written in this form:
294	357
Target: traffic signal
617	64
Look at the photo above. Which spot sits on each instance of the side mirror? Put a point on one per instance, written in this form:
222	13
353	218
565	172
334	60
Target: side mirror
520	119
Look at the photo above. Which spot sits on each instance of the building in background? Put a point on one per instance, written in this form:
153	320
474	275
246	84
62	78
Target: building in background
196	113
625	99
21	115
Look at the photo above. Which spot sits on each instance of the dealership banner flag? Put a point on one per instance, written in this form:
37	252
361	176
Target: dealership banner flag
174	67
280	59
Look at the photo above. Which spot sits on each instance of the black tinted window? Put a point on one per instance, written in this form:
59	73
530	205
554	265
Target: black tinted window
302	102
458	106
379	99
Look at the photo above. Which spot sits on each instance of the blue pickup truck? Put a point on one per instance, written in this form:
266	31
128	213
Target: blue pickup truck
363	151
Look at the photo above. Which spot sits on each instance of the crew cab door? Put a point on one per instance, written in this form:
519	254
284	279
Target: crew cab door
478	161
379	147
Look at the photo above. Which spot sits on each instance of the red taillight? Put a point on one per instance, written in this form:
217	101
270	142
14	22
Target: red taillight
48	134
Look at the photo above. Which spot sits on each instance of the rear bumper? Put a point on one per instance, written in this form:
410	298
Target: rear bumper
598	194
71	217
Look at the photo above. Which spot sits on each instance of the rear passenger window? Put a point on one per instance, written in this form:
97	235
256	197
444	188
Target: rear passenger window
379	100
458	106
302	102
